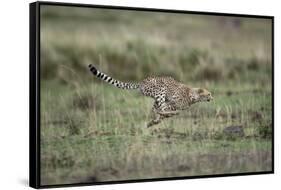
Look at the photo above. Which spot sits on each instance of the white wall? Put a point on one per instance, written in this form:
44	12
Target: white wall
14	73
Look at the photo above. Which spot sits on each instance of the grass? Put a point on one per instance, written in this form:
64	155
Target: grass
108	140
91	131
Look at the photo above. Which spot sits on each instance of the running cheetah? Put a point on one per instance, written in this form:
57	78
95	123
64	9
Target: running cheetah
170	96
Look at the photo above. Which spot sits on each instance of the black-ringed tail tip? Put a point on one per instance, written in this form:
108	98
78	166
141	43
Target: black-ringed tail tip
110	80
93	69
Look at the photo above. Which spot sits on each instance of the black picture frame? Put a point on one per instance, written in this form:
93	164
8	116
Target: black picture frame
34	98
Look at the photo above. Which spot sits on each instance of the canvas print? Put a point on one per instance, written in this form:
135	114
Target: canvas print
142	94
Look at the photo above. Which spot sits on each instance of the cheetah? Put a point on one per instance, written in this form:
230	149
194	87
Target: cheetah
170	96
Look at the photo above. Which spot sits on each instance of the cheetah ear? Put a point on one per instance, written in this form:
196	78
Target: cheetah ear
200	90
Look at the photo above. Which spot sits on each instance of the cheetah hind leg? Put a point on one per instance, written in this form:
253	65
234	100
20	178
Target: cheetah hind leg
160	114
156	118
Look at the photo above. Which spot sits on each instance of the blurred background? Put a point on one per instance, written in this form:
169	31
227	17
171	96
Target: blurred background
132	45
92	131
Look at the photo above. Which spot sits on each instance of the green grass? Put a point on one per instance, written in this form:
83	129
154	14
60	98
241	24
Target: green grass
91	131
107	139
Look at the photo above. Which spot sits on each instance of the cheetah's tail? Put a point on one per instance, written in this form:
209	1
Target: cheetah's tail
118	84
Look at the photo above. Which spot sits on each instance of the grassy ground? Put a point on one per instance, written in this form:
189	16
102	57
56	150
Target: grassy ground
91	131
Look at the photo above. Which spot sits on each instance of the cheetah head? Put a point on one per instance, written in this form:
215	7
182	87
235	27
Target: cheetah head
203	95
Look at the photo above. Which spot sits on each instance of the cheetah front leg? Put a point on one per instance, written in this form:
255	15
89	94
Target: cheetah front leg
156	117
162	111
159	116
168	109
158	105
168	113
